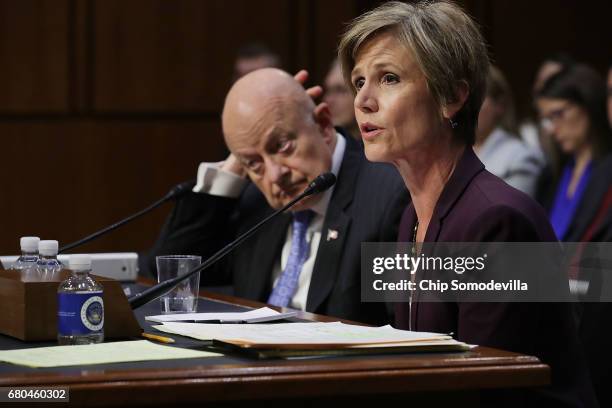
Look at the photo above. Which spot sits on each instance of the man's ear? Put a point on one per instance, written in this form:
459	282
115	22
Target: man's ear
462	91
322	117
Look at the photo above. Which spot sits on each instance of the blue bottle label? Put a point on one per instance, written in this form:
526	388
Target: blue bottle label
80	313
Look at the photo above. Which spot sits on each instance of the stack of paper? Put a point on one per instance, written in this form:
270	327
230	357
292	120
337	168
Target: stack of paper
315	336
264	314
102	353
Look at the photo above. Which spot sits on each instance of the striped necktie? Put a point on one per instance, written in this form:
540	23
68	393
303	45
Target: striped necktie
288	281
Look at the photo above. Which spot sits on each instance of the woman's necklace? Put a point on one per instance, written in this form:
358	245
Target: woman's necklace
414	237
412	276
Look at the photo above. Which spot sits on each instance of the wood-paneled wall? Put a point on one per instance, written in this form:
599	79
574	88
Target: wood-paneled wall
106	104
521	33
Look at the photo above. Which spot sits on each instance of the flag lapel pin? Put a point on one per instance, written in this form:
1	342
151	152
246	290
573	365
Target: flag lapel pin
332	234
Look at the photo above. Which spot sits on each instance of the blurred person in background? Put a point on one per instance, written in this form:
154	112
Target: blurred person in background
529	129
610	95
339	98
549	67
572	109
497	143
572	106
254	56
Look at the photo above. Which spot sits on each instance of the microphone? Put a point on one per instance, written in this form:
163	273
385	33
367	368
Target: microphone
318	185
176	192
321	183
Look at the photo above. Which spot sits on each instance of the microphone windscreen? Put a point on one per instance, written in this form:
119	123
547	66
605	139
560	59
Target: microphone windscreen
321	183
181	189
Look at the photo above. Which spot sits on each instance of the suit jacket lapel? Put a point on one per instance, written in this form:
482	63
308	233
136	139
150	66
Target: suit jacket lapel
466	169
335	230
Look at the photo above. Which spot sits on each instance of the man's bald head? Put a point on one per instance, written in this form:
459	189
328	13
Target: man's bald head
273	128
263	96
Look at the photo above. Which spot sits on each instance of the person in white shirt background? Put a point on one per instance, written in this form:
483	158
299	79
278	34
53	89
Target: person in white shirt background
498	145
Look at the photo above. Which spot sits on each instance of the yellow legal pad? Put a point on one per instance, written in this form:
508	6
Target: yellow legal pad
102	353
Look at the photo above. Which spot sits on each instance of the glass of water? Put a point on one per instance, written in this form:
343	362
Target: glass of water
184	297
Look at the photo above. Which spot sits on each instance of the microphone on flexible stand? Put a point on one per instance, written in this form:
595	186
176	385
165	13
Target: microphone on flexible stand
177	191
318	185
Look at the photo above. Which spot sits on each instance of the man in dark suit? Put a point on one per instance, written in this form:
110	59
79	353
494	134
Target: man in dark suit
310	259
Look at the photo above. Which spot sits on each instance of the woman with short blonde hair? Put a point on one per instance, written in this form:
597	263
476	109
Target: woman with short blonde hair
459	54
419	76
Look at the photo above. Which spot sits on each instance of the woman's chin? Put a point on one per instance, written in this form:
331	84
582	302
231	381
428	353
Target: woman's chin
568	148
376	152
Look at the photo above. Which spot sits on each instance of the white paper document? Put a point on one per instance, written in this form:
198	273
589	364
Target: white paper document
334	333
264	314
102	353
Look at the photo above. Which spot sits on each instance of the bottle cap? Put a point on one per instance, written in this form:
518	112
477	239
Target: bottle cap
79	262
48	247
29	244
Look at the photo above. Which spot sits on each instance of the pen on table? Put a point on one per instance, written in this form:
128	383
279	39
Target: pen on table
155	337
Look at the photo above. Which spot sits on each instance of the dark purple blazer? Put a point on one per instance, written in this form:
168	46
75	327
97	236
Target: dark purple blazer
476	206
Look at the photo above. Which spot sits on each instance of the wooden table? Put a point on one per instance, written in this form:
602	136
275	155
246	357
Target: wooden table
435	379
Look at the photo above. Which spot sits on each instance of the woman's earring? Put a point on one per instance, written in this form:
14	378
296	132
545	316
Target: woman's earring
453	124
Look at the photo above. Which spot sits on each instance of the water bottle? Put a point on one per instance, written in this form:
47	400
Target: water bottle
29	253
80	313
48	266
